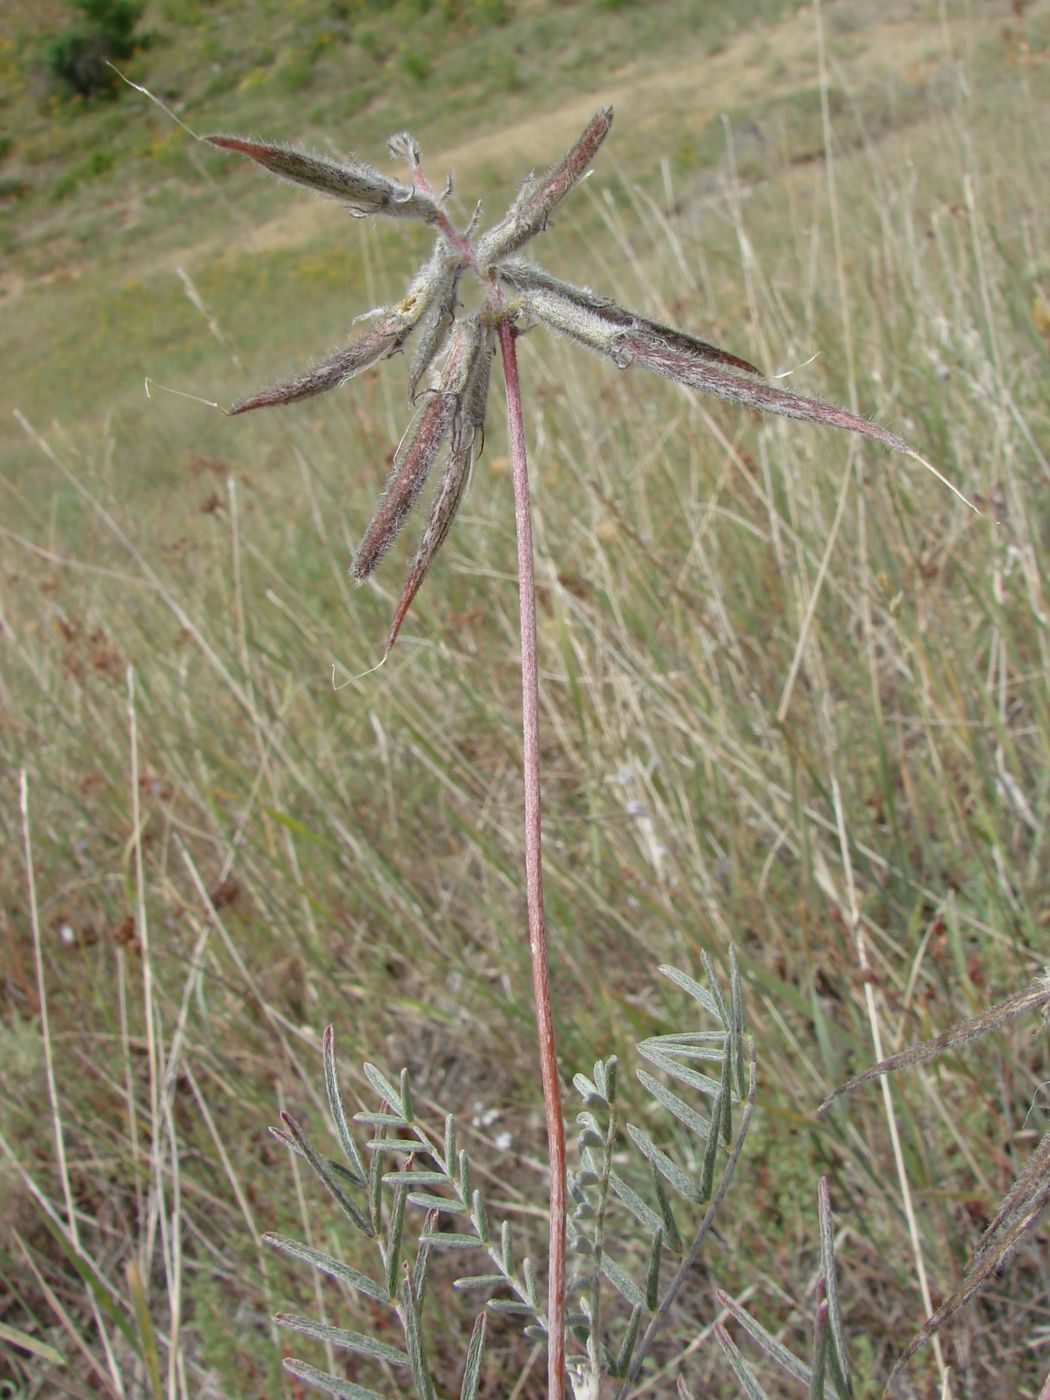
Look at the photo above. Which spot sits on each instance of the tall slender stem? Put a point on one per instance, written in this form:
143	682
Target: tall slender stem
530	721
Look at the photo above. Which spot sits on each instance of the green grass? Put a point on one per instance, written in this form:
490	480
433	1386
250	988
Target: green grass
759	712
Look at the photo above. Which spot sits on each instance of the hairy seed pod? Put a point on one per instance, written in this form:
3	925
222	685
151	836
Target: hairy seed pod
410	474
406	482
763	397
539	196
360	187
575	319
434	325
586	309
380	341
430	286
469	419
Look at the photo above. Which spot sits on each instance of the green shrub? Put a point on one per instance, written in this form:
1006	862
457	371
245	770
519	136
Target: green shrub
76	59
417	65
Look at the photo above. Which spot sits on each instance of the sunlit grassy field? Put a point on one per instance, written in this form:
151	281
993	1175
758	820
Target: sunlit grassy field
796	697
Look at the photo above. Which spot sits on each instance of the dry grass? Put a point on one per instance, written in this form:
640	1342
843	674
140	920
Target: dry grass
795	697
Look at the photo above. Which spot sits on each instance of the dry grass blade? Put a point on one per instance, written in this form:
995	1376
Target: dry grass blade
1036	995
829	1279
984	1269
1037	1166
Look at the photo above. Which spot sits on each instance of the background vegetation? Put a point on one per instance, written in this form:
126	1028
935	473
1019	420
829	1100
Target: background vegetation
80	58
792	687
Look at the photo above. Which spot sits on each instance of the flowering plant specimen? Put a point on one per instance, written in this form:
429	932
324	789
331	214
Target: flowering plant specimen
450	371
517	294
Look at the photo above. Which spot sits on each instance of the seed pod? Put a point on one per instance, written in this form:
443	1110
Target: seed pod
409	475
575	318
663	359
430	286
363	189
405	484
328	374
539	196
586	310
434	325
469	420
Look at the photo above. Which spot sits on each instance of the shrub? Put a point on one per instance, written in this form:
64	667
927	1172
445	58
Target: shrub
417	65
77	58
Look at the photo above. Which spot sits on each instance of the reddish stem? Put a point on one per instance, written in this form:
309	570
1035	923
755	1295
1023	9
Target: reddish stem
530	705
456	240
